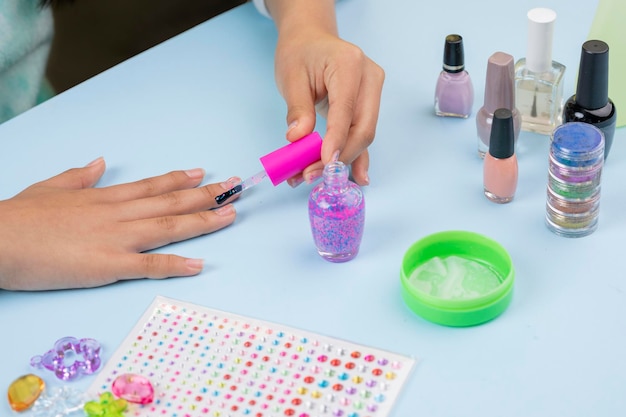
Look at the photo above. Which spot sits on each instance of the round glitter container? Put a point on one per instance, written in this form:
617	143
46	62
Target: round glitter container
457	278
560	204
577	145
574	174
582	190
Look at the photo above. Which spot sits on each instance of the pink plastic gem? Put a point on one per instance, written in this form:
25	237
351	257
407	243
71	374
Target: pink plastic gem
133	388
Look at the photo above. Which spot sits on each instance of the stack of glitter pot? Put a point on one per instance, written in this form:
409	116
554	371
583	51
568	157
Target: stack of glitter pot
576	160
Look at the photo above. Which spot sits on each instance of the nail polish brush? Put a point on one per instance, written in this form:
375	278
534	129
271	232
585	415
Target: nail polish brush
281	164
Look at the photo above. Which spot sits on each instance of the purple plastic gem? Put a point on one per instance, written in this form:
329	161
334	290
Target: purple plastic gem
70	357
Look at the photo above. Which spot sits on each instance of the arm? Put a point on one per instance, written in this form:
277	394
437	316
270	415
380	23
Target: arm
63	233
315	67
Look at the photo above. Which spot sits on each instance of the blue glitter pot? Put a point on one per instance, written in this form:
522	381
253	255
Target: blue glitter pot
457	278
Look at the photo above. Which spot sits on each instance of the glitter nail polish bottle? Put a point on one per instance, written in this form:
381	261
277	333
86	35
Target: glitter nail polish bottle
337	214
454	93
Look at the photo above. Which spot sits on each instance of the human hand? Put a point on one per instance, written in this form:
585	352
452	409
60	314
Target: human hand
315	67
63	233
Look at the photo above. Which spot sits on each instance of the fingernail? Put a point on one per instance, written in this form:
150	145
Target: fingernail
295	181
196	264
195	173
366	179
230	183
292	125
226	210
335	156
313	176
95	162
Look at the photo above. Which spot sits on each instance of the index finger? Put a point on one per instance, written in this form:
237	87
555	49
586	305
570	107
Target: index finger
343	91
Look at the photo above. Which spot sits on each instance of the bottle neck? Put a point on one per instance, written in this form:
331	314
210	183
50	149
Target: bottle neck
335	174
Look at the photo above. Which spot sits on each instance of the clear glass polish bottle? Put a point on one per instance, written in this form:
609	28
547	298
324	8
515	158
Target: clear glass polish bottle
337	214
539	79
454	93
500	165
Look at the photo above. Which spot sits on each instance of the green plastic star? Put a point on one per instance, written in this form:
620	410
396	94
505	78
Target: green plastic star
107	407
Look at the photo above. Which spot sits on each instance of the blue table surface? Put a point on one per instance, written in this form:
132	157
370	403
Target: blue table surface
207	98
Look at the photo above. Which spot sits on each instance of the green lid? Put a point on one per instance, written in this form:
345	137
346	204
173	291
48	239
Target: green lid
457	278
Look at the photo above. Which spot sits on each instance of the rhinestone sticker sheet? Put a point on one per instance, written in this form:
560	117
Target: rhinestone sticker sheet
205	362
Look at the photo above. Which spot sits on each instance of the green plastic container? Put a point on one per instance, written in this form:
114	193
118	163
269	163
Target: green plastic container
475	306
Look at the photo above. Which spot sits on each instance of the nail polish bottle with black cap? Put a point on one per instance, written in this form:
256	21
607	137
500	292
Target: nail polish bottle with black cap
500	165
591	103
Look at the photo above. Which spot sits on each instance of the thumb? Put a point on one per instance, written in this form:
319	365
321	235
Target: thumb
77	178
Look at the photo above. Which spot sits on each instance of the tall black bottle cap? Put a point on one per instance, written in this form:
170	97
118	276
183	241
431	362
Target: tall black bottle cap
502	139
592	91
453	56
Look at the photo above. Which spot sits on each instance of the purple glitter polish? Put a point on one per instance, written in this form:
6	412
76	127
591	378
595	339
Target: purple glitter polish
337	214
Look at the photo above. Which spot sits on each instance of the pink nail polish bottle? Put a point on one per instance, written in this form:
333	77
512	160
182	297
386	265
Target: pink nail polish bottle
454	94
500	165
499	93
337	214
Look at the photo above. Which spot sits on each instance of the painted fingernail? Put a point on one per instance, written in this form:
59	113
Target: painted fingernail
295	181
313	176
230	183
196	264
226	210
335	156
195	173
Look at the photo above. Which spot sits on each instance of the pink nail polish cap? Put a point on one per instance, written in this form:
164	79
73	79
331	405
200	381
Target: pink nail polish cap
291	159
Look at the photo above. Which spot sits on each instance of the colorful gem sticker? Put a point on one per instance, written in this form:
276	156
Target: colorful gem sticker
205	362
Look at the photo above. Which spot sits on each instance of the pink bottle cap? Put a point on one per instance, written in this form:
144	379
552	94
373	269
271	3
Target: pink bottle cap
291	159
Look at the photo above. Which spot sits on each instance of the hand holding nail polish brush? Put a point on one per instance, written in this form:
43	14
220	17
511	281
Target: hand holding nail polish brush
281	164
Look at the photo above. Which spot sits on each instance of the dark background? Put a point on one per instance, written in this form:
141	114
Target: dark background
93	35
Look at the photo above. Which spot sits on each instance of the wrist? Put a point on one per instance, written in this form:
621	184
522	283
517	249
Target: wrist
290	16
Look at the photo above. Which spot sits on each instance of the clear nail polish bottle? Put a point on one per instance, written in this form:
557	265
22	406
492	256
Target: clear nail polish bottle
539	79
500	165
337	214
454	93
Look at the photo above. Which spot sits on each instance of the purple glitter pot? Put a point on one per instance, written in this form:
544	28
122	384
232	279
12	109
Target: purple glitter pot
457	278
